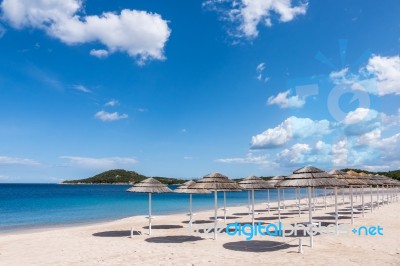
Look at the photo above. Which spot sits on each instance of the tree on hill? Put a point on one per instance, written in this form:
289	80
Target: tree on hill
117	176
110	177
392	174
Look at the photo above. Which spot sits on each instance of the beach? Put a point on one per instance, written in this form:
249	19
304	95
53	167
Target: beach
109	243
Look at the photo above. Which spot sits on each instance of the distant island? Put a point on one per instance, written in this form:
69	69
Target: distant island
119	177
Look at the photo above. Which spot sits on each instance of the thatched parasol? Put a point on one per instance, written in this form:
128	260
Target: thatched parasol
184	188
353	180
217	182
312	177
252	183
273	181
371	182
384	181
149	185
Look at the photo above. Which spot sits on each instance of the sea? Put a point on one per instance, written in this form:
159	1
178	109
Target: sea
28	206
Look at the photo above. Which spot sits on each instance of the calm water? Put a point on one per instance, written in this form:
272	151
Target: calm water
37	205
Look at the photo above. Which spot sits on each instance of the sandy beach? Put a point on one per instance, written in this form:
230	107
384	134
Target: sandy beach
110	243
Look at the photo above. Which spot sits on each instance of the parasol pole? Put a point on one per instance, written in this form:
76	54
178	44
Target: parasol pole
310	217
150	214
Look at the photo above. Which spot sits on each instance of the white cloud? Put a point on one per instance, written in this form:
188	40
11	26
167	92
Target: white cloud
260	67
140	34
283	101
390	120
289	129
359	115
108	117
361	121
260	75
249	159
5	160
100	163
100	53
187	157
82	88
247	15
295	155
303	154
387	73
368	140
380	76
340	153
112	103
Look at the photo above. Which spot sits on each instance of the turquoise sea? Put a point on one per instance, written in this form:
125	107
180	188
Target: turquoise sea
25	206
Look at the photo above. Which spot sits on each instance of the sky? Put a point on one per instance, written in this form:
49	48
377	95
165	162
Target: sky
186	88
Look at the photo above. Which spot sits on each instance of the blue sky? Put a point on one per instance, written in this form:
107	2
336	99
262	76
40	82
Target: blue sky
185	88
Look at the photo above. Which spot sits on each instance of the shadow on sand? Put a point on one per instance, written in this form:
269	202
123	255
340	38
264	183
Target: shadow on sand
332	217
173	239
270	218
257	246
164	226
227	217
121	233
198	222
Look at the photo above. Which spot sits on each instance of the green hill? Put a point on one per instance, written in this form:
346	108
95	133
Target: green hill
120	176
392	174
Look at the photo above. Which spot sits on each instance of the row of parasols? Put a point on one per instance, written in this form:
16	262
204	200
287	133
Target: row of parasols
306	177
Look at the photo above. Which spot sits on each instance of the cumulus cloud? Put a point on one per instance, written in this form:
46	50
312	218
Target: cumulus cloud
108	117
295	155
365	139
100	53
386	70
140	34
380	76
6	160
283	100
340	153
303	154
247	15
100	163
292	128
361	121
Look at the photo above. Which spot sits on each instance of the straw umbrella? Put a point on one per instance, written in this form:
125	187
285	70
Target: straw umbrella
311	177
252	183
216	182
370	182
185	189
384	180
150	185
353	179
273	181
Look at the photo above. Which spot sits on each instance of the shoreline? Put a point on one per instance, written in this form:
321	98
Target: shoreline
20	229
109	243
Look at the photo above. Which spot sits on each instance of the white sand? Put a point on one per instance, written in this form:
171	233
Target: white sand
109	243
